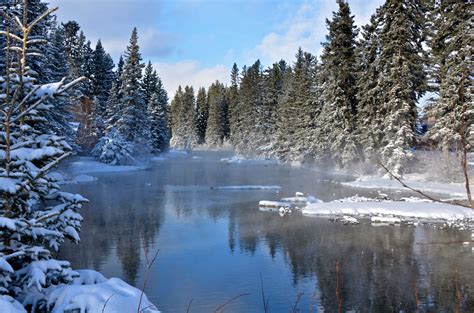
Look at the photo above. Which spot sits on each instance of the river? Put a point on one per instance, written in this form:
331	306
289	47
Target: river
215	245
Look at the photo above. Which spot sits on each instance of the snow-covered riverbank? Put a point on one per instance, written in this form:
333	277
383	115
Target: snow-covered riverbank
423	210
416	181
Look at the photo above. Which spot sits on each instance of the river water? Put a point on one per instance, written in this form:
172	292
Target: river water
215	245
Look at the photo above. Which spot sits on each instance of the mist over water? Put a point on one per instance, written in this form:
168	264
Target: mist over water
216	244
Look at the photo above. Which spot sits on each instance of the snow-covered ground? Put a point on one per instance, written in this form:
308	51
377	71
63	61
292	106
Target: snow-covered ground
414	209
417	181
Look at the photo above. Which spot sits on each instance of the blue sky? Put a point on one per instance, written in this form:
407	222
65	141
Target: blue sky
196	41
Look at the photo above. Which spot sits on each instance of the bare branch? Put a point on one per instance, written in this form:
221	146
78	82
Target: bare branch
419	191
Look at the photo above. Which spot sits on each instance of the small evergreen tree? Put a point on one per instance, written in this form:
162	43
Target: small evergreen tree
37	217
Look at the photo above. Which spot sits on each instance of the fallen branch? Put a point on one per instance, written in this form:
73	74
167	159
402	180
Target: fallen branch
419	191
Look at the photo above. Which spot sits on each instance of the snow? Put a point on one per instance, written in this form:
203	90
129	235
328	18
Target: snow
10	305
8	185
418	210
247	187
272	204
385	220
241	160
111	295
6	222
413	180
86	165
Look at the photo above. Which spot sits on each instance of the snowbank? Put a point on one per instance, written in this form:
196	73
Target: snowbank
85	165
240	160
93	293
418	210
247	187
415	181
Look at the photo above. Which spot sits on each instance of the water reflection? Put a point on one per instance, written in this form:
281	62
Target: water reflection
215	245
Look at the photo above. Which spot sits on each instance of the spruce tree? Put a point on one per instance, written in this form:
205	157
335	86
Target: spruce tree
338	72
37	217
159	120
401	78
233	99
369	132
184	120
149	83
453	111
297	111
216	123
202	111
273	91
131	122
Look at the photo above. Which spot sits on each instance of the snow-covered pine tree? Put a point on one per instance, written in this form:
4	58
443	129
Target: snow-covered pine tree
453	129
149	82
132	119
250	105
36	216
338	72
298	110
273	90
113	102
202	111
369	132
233	99
159	120
101	82
184	119
216	123
401	78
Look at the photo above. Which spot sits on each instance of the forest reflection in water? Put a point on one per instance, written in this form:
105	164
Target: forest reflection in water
216	244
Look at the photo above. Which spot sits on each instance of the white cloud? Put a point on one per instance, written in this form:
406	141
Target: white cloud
306	28
113	20
190	73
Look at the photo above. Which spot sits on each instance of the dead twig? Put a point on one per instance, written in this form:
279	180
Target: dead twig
106	301
189	305
221	307
419	191
265	301
147	272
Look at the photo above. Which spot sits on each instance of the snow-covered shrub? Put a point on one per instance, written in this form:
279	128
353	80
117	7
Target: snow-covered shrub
439	166
114	149
36	217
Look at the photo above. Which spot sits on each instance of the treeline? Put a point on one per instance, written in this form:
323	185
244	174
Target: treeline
358	103
117	111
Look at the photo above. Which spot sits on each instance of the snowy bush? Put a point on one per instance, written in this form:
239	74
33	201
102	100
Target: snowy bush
114	149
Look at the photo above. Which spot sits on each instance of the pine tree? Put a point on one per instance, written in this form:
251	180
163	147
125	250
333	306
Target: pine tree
370	117
453	129
37	217
401	78
149	83
132	118
233	99
216	123
202	111
159	120
297	111
184	120
101	82
274	88
338	72
249	106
